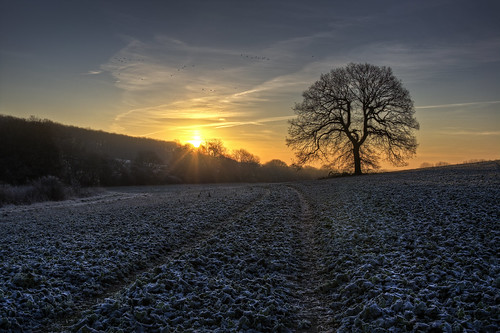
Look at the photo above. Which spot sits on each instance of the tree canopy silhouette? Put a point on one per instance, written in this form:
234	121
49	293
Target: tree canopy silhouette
352	115
35	151
244	156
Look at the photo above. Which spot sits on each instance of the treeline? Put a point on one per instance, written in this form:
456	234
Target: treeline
31	149
441	164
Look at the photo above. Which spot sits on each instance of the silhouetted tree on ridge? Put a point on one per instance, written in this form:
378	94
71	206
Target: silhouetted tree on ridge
351	115
244	156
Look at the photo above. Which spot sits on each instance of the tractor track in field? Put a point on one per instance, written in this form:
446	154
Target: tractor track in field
247	266
171	254
314	313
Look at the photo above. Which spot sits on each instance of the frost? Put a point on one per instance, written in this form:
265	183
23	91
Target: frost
407	251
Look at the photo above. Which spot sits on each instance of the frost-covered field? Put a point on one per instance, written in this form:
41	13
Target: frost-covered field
408	251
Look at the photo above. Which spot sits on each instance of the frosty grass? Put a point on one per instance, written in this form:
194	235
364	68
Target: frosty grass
407	251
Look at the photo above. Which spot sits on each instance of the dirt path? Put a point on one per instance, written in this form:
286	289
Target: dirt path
314	313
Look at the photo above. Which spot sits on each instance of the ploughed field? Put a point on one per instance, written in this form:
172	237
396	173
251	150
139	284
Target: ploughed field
407	251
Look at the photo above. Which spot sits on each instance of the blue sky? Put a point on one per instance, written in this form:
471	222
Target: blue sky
234	69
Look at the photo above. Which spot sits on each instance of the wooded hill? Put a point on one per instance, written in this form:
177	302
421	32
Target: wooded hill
33	148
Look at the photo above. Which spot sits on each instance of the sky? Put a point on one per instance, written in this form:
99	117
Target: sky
233	70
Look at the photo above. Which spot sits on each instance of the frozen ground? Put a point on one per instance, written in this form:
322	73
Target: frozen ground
408	251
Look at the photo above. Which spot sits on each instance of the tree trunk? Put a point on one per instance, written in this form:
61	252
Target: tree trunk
357	160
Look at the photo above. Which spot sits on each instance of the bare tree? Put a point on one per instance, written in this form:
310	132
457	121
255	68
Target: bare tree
352	115
426	165
276	164
244	156
215	148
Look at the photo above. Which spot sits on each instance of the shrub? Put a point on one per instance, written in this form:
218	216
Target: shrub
48	188
16	194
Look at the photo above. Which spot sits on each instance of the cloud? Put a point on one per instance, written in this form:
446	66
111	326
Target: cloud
158	119
422	60
456	105
472	133
257	122
94	72
167	80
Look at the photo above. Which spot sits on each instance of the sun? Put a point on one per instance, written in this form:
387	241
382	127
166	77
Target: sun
196	141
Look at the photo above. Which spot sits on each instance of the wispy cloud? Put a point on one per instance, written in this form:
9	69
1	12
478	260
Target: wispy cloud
453	105
167	81
471	133
422	60
226	124
184	122
94	72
